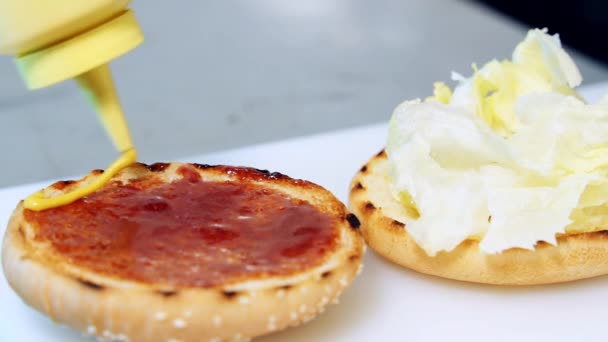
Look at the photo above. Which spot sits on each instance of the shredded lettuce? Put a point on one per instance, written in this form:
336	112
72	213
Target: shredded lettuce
506	157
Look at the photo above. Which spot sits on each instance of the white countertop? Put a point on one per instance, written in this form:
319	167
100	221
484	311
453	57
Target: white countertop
386	303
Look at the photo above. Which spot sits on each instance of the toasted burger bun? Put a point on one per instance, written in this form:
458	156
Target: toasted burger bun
117	309
576	256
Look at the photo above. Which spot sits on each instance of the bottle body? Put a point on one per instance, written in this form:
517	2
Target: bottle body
54	40
28	25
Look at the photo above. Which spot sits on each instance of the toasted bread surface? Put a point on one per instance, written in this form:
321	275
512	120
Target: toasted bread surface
383	224
115	307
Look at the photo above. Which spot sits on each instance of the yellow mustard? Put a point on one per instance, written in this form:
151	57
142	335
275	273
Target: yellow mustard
53	41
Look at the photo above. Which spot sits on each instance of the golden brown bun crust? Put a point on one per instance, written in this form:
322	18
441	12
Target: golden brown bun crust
120	310
575	257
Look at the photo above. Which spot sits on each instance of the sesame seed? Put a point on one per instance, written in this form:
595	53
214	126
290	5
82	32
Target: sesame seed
91	329
217	320
160	316
106	333
303	308
324	300
215	339
328	289
122	338
272	322
293	315
304	290
280	293
344	281
188	313
179	323
244	300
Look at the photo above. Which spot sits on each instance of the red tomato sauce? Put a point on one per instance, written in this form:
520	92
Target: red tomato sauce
190	232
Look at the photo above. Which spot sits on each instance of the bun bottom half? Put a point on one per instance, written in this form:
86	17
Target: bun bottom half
116	309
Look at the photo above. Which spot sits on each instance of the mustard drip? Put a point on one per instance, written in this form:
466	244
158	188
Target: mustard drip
99	88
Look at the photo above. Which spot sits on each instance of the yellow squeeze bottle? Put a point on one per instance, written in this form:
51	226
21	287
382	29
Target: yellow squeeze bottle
53	41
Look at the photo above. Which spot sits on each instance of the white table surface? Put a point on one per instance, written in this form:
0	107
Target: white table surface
386	303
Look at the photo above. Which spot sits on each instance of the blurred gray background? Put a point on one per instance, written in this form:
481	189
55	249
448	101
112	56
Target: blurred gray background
214	75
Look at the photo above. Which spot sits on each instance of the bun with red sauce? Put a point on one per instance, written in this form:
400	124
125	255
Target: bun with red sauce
184	252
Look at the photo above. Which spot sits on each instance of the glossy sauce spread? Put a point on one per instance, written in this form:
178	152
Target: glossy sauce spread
189	232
